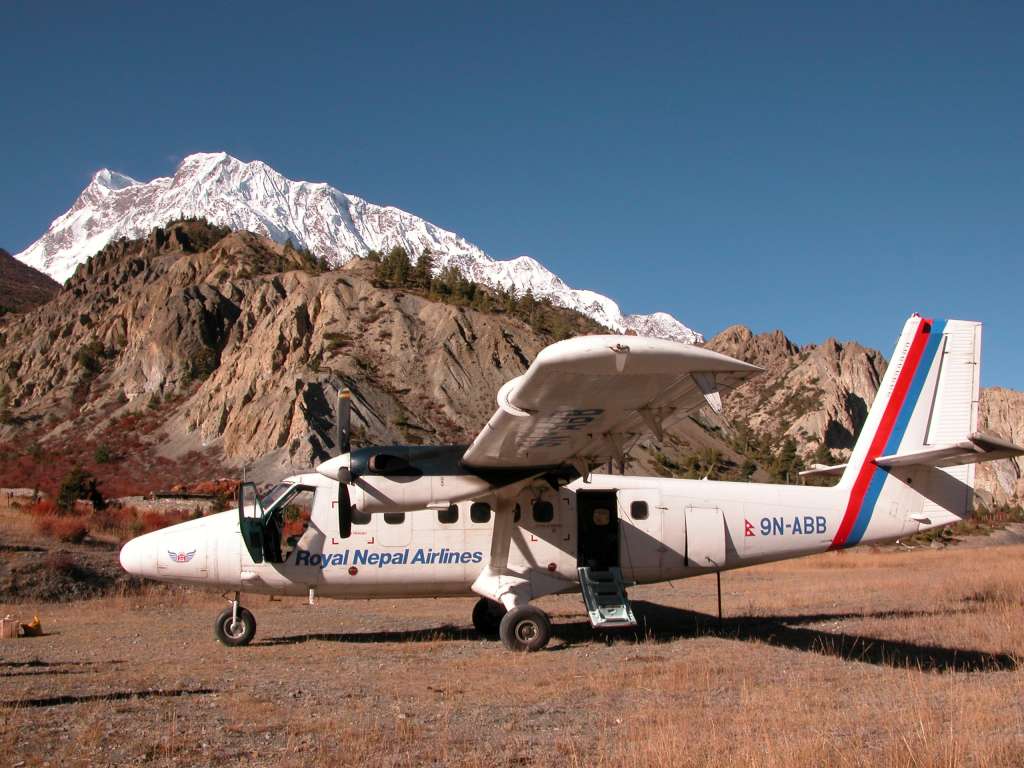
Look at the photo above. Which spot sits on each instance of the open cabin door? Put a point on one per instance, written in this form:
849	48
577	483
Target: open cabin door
251	521
601	582
705	537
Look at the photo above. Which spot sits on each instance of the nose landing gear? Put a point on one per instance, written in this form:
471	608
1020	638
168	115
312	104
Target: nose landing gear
235	625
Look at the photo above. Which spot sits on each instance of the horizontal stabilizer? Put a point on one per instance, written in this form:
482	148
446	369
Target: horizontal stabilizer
819	470
978	447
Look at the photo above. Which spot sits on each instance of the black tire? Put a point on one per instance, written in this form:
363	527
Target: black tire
487	616
525	628
241	634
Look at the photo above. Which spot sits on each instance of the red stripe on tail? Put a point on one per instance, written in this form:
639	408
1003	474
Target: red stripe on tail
881	437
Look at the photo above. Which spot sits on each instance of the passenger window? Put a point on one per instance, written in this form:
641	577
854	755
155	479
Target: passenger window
480	512
394	518
543	512
638	510
602	517
448	516
359	517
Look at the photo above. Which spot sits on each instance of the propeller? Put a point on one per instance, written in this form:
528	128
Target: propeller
342	423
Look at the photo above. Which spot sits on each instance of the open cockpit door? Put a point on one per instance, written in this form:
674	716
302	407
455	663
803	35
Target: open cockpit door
251	521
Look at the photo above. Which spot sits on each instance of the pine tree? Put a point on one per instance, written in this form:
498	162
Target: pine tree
423	272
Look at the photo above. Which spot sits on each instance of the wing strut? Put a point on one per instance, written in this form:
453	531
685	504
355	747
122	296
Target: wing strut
495	581
707	385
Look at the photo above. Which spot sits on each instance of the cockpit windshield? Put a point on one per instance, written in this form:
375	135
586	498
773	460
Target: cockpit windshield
271	497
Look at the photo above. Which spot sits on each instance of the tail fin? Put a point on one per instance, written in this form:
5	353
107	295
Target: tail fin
929	395
928	398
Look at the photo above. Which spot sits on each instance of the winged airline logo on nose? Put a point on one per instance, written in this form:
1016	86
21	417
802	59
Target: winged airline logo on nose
181	557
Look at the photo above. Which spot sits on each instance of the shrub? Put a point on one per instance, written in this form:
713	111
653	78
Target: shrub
59	562
154	521
79	484
90	357
43	508
69	529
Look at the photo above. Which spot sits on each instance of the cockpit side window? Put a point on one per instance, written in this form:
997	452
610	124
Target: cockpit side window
290	521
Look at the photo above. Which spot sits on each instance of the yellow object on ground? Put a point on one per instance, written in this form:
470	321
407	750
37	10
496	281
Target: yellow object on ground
33	629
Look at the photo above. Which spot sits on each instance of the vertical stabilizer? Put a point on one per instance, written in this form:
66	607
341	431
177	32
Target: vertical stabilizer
929	396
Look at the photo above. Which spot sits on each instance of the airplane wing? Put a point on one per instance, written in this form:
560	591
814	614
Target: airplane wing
591	398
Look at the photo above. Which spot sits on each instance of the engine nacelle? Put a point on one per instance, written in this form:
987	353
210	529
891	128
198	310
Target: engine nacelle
378	493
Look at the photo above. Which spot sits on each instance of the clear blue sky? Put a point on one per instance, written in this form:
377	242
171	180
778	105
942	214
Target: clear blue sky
824	170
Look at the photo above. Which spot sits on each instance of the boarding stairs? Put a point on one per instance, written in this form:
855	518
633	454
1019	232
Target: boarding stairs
604	593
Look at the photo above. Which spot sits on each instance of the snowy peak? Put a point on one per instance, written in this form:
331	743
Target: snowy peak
112	180
330	223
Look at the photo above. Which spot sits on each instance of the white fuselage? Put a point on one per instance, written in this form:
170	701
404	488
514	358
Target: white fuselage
667	529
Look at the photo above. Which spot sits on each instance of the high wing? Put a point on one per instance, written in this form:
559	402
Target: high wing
591	398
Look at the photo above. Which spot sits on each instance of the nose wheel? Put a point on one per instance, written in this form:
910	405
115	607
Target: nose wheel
235	625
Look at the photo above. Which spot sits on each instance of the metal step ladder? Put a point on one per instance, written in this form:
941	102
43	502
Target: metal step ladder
604	593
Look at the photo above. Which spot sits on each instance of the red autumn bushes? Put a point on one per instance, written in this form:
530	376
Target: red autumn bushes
72	530
122	523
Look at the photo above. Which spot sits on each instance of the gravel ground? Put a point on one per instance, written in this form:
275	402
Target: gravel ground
861	658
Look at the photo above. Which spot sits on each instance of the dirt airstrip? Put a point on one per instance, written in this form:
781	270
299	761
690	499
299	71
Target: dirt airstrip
859	658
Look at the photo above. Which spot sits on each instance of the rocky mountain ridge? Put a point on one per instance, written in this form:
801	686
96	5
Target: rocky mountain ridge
818	395
198	350
331	224
22	287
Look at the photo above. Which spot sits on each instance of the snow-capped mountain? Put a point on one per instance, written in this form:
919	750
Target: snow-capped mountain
330	223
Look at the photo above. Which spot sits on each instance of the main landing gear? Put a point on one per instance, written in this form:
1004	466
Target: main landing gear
524	628
487	616
235	625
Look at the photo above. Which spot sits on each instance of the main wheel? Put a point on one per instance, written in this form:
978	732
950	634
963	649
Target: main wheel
487	616
235	633
525	628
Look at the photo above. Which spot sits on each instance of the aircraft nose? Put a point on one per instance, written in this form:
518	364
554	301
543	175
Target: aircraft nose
134	556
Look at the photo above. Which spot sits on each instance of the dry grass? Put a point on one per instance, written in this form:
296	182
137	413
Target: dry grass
860	659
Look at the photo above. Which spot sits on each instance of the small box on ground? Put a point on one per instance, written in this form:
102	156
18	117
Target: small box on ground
8	628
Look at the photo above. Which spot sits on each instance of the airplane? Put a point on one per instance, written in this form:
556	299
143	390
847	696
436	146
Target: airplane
520	513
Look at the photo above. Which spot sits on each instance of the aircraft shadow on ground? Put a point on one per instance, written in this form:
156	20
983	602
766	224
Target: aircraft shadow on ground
43	672
659	623
39	663
56	701
444	632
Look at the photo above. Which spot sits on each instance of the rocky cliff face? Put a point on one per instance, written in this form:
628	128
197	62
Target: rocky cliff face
819	395
198	350
814	394
1002	413
21	286
234	339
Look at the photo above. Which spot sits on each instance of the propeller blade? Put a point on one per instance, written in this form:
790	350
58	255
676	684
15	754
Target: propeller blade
344	511
342	421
